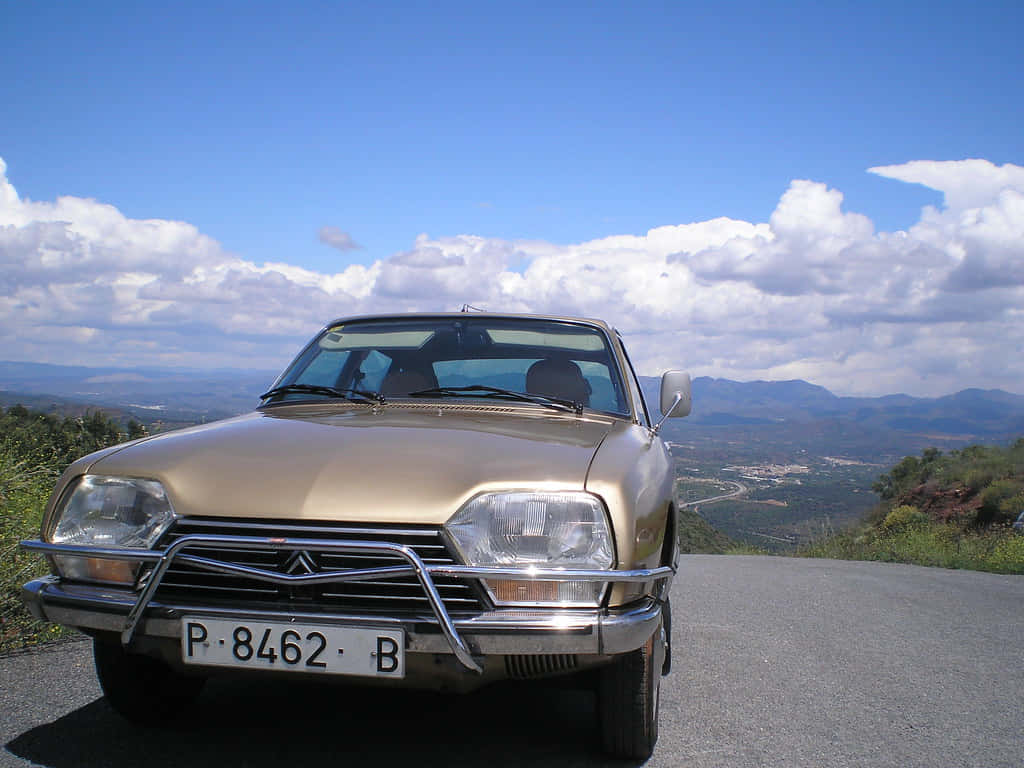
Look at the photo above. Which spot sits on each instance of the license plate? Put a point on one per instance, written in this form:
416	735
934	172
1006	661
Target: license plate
293	647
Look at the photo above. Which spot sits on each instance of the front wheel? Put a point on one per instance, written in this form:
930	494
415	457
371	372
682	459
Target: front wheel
141	689
627	700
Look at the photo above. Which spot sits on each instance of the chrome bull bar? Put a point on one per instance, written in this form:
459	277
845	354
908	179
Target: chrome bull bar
415	566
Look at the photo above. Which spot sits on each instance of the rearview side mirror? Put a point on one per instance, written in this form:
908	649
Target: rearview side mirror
673	384
676	397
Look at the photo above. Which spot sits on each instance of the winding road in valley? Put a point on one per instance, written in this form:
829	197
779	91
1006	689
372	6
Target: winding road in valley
739	490
778	662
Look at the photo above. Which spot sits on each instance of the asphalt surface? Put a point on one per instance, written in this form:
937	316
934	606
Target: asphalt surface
778	662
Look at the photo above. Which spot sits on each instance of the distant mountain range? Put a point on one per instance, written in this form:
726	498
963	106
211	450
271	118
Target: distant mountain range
968	412
787	412
796	414
170	395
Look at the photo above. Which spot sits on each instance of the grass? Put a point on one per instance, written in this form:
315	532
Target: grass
23	494
932	544
35	447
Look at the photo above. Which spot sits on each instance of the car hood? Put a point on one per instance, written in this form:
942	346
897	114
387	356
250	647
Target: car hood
354	463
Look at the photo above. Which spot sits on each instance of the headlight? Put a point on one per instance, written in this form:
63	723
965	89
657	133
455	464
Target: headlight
543	530
113	513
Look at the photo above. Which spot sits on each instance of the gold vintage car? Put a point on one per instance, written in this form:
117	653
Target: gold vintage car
437	501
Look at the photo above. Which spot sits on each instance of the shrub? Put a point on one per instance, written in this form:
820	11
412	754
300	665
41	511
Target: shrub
1008	556
34	448
1010	509
978	478
904	517
999	500
22	499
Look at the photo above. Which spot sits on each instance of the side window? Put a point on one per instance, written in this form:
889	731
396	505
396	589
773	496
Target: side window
642	415
324	369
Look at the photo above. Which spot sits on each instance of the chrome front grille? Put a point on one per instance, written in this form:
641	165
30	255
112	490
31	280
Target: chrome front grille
399	595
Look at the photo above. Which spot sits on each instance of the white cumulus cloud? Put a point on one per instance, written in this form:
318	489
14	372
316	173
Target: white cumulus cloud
815	292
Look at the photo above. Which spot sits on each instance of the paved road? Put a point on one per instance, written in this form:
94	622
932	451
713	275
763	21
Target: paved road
739	490
779	662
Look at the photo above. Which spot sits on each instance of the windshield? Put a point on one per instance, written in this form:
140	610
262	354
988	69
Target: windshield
443	356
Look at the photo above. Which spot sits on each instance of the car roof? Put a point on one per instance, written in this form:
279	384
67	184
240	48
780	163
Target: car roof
475	314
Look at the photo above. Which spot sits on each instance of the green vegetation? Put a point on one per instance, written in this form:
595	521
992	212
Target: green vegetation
935	544
697	536
904	517
34	449
948	510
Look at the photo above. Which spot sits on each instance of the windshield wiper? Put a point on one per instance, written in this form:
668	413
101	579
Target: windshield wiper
354	395
482	390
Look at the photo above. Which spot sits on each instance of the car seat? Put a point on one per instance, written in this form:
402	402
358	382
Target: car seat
558	378
402	382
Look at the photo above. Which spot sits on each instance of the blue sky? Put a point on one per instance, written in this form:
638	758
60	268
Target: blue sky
260	123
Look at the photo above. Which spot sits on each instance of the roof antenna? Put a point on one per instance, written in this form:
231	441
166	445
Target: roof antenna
471	308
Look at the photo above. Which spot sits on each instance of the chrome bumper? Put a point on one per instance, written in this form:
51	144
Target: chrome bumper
508	631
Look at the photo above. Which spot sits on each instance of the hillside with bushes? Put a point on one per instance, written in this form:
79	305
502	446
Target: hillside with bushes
697	535
35	447
952	510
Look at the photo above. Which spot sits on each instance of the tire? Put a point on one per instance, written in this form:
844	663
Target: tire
141	689
628	693
666	617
